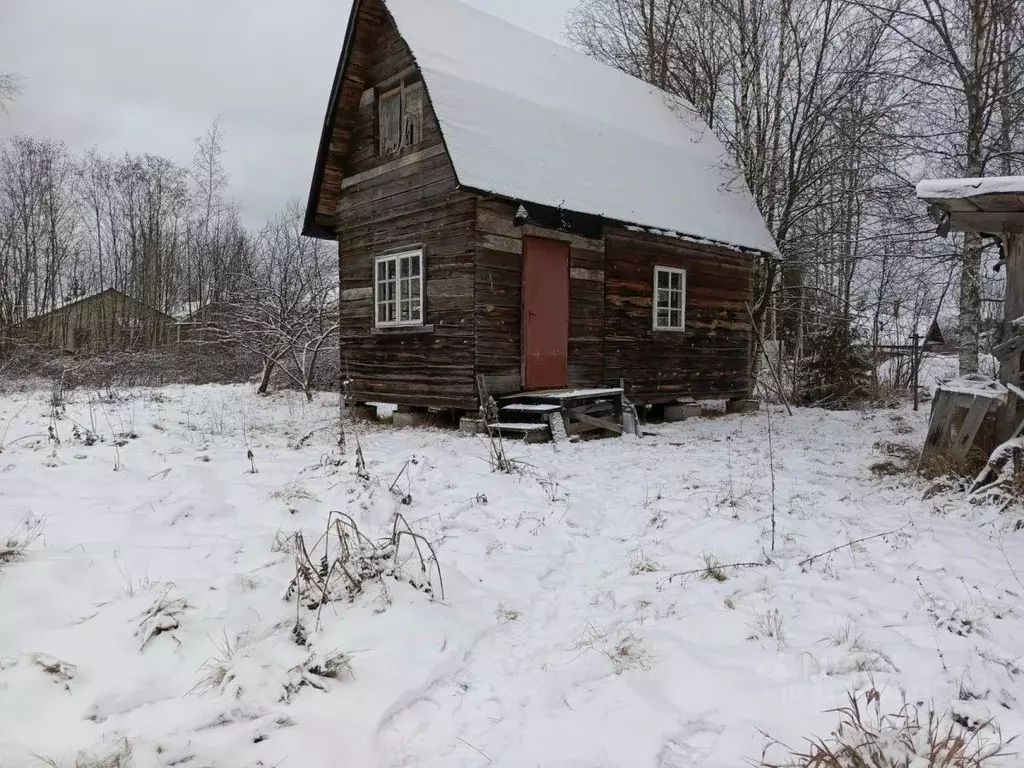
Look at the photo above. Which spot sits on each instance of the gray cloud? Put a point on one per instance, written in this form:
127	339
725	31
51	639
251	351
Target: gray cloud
150	75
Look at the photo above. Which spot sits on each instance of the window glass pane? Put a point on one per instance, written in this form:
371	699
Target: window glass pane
382	270
414	268
662	298
416	310
663	318
677	281
414	289
677	318
406	266
676	300
662	279
392	267
404	311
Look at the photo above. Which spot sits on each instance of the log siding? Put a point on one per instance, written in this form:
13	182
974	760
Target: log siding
391	203
709	358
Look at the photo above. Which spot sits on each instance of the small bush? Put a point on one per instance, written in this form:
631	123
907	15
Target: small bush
836	373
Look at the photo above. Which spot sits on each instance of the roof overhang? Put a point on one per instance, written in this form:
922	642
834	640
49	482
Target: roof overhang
314	225
989	206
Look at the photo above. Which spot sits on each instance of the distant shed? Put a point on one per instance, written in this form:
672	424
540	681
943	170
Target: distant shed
109	319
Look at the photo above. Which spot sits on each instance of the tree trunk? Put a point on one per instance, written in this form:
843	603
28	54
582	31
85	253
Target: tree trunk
268	370
970	303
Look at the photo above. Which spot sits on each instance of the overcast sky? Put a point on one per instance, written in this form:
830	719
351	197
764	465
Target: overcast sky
150	75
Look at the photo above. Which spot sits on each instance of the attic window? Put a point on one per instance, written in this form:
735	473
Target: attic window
400	117
669	299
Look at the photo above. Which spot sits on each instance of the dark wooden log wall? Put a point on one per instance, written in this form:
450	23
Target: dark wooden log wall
499	258
706	360
391	204
368	26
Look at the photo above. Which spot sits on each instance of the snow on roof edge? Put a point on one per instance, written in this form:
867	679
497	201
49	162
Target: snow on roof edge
952	189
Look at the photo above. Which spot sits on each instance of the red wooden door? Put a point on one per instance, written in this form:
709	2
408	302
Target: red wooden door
545	313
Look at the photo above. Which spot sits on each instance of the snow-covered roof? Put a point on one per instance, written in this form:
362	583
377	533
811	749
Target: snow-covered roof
529	119
955	189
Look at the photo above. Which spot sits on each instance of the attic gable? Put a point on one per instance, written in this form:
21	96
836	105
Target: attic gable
366	23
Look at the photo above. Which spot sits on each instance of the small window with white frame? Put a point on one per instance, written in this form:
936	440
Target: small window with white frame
669	299
398	289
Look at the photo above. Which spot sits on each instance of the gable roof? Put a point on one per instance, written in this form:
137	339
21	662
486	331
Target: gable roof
528	119
73	301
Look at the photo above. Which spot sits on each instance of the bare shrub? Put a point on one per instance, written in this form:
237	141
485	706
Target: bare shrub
910	737
350	560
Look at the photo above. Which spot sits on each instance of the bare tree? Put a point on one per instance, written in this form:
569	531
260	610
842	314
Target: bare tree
286	309
968	63
10	87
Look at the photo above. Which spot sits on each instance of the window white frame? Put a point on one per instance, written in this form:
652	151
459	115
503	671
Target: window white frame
668	311
398	289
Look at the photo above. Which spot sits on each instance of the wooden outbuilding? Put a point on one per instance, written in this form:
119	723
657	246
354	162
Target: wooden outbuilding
511	212
98	322
993	207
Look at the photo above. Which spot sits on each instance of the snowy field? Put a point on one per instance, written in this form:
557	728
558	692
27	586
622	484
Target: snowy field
143	589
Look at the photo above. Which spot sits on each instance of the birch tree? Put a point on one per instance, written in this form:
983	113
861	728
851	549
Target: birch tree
968	65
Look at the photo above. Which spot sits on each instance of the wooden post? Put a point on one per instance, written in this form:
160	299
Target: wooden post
915	366
1013	308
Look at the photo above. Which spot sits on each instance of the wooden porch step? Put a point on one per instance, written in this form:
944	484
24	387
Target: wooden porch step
525	426
532	407
531	432
561	395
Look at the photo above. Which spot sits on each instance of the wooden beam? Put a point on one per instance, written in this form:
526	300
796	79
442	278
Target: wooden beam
396	165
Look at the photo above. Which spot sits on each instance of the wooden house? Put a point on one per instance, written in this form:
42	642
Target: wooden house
98	322
512	212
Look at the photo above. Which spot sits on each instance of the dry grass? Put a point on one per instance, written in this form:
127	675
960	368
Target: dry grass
16	543
61	670
769	625
713	570
910	737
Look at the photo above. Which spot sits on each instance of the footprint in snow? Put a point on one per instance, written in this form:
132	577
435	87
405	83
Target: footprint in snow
691	746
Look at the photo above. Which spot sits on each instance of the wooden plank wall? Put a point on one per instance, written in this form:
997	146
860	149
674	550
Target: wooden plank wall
391	204
499	255
709	358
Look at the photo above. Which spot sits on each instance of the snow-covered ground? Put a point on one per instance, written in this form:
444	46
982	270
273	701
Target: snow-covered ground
152	605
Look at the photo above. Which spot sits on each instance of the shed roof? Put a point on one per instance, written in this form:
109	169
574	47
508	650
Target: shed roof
528	119
990	205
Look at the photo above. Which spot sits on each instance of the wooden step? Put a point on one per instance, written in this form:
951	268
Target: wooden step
531	432
531	407
562	396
